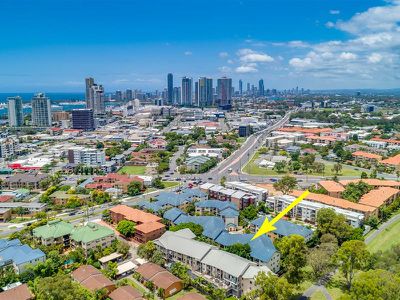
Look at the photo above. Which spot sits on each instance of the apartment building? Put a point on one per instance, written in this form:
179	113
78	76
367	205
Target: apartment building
148	226
222	269
8	147
88	236
307	210
205	151
113	180
86	156
27	181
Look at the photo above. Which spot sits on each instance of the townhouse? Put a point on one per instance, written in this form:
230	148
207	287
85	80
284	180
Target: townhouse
240	198
222	269
115	181
26	181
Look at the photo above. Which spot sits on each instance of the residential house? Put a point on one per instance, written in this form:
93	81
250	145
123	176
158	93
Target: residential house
195	163
161	278
92	279
20	292
113	180
125	292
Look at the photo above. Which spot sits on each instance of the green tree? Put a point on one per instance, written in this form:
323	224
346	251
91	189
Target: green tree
126	228
111	270
270	287
222	181
351	257
134	188
337	168
286	184
59	287
293	251
336	224
354	191
195	228
242	250
375	284
280	166
364	175
181	271
158	184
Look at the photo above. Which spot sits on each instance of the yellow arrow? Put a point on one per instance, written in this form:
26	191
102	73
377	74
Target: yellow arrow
268	226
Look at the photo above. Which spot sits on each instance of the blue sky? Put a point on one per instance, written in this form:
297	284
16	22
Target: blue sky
52	45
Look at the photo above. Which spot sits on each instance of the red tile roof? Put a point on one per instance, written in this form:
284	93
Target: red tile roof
135	215
126	292
149	227
367	155
331	186
394	161
21	292
379	197
372	181
91	278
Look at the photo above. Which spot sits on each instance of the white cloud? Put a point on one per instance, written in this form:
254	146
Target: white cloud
223	54
251	56
298	44
348	56
247	68
300	63
334	12
375	58
187	53
330	24
225	69
230	61
370	54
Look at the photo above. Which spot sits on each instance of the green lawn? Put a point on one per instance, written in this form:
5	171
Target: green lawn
133	170
169	184
181	293
386	239
253	169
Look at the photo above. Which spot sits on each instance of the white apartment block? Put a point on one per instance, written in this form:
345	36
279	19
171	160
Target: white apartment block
210	152
85	156
8	147
260	193
307	210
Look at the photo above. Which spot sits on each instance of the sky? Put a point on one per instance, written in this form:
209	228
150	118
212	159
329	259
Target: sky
51	46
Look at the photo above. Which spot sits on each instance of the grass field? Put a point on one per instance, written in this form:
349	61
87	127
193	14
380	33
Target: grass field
133	170
169	184
253	169
386	239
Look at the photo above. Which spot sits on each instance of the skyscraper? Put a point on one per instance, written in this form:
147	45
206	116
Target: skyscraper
261	90
15	112
205	92
177	95
83	119
240	87
170	88
118	95
248	88
95	97
196	93
41	111
224	93
128	95
88	82
187	91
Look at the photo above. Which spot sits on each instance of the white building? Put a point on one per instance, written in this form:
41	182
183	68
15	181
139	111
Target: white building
204	151
260	193
8	147
307	210
89	157
41	111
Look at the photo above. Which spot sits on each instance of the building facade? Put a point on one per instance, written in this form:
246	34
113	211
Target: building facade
41	111
15	112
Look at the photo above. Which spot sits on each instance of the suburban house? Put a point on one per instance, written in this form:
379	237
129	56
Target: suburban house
61	198
148	226
19	256
125	292
161	278
92	279
195	163
366	156
19	292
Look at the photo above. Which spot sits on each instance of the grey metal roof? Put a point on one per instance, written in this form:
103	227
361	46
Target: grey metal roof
227	262
175	242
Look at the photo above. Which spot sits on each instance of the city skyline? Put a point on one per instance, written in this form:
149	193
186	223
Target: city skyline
317	45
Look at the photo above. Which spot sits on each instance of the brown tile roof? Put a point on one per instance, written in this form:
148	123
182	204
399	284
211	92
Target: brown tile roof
322	138
305	130
379	196
390	141
336	202
331	186
126	292
192	296
91	278
135	215
158	275
394	160
372	181
149	227
21	292
367	155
